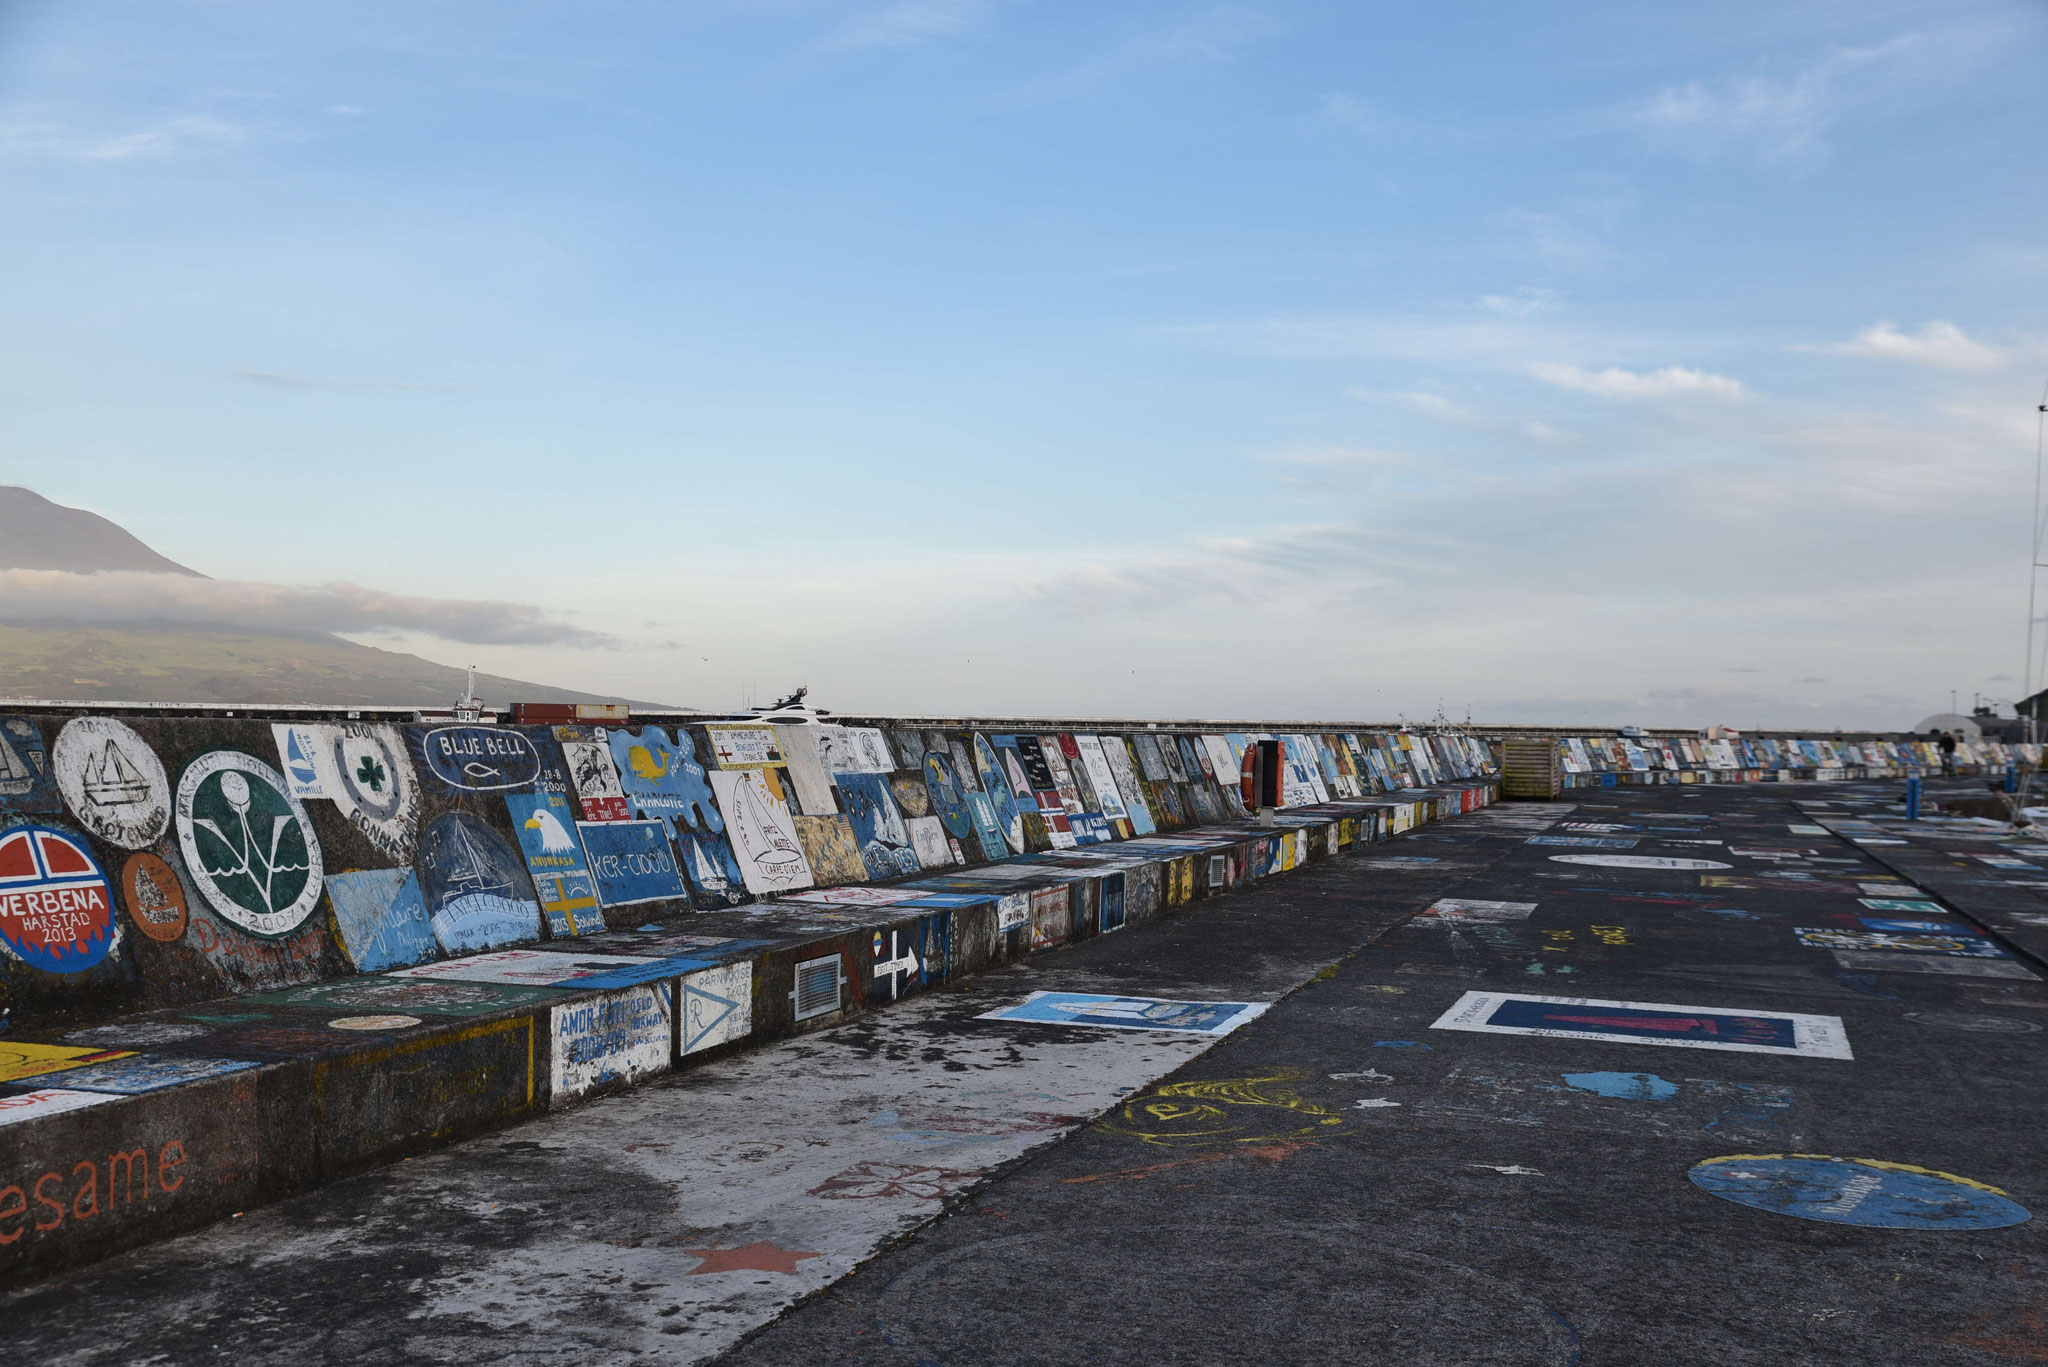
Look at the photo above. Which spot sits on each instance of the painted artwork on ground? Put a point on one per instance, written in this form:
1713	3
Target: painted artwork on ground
1585	842
155	897
600	792
141	1073
476	759
476	890
631	862
717	1006
249	845
19	1106
1908	905
762	831
530	968
19	1060
112	782
56	902
618	1037
1857	1191
1637	861
856	896
1685	1027
372	784
743	747
305	756
829	849
1456	911
395	992
26	784
546	827
1009	816
1950	965
1824	937
381	917
947	800
878	828
1129	1013
928	839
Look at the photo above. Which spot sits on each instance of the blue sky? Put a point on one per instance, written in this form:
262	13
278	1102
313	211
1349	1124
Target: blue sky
1602	362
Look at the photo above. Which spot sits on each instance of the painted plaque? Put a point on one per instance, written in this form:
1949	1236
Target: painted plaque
56	904
156	900
474	887
599	791
373	787
112	781
26	784
305	757
616	1037
1683	1027
764	838
381	916
1129	1013
631	862
477	759
878	828
717	1006
546	828
248	844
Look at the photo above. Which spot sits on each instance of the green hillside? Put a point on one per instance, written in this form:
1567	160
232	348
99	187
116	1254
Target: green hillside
101	664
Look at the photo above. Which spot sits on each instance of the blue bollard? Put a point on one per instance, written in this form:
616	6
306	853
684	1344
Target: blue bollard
1913	797
2012	778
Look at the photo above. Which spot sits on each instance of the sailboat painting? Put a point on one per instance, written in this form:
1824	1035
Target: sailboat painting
477	894
26	784
757	818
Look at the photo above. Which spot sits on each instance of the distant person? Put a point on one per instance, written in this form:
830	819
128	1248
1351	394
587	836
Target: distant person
1947	746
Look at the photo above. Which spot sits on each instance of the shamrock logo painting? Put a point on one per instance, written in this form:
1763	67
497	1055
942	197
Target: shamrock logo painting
248	844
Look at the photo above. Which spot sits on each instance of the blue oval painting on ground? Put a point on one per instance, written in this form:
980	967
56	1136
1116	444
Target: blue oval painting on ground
1857	1191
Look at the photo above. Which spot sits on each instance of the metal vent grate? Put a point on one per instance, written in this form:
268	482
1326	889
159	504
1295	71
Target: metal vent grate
818	982
1219	871
1112	906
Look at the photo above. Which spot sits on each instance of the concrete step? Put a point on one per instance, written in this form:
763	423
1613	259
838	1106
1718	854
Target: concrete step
116	1135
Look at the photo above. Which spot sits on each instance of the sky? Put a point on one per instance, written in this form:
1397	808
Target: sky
1599	363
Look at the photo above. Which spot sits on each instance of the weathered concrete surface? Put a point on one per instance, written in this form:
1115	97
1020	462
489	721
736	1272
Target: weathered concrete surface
663	1224
1517	1199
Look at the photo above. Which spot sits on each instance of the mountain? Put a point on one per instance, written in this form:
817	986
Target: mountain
36	534
193	665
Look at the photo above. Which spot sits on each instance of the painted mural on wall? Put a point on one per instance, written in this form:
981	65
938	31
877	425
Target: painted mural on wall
476	891
381	918
546	827
112	782
476	759
249	845
600	789
56	902
764	838
878	827
374	787
154	897
1008	814
26	784
663	781
631	862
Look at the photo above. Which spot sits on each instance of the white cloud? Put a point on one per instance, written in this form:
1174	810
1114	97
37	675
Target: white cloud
911	22
118	597
1330	454
164	140
1615	383
1944	346
1785	118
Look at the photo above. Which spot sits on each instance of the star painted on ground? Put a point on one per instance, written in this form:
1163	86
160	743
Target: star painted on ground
761	1256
